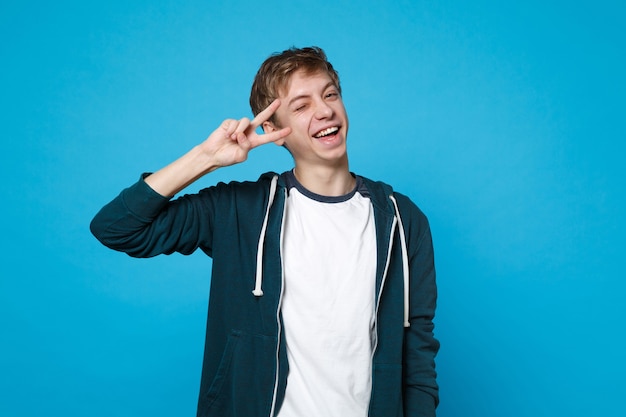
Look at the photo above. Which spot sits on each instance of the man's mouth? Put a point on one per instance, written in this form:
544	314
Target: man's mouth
326	132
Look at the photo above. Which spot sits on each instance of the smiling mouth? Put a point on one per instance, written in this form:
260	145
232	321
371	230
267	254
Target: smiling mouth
326	132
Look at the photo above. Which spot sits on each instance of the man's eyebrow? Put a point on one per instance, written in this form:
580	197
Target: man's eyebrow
298	97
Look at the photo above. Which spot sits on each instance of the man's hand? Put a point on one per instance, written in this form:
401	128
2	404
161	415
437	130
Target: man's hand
230	143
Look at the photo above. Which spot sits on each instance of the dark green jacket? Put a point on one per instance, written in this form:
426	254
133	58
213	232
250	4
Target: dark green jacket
239	225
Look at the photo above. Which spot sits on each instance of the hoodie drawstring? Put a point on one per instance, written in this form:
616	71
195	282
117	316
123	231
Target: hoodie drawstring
405	262
258	292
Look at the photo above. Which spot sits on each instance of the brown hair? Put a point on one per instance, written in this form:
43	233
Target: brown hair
276	71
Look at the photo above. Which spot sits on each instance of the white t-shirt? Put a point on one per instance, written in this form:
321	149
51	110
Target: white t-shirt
329	257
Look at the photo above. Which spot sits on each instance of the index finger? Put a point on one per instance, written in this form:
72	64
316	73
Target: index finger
265	115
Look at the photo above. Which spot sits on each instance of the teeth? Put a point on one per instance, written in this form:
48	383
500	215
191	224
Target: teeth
326	132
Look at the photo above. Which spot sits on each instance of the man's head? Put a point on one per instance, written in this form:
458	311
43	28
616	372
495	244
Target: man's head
275	73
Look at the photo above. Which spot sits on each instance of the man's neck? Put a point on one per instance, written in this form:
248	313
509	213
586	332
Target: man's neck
324	180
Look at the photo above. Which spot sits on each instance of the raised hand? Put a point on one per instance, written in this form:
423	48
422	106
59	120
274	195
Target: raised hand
230	143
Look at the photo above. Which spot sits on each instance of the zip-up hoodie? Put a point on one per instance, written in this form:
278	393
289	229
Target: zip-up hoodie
239	225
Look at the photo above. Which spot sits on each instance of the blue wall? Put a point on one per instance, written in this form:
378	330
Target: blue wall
504	123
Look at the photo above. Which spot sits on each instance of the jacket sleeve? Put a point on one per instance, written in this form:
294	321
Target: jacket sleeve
143	223
421	392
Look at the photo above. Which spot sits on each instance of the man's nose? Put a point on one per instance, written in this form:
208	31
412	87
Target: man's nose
323	110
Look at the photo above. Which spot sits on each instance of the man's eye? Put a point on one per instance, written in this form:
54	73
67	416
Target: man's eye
332	95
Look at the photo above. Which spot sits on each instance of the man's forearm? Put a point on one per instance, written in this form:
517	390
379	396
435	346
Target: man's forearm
179	174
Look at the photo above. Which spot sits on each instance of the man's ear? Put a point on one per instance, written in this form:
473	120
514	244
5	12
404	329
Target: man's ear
269	127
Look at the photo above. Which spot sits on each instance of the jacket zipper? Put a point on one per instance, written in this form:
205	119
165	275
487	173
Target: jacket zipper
380	292
280	301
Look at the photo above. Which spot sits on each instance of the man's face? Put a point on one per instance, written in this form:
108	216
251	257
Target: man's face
312	106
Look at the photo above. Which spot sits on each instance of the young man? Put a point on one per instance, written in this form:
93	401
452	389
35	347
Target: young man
323	284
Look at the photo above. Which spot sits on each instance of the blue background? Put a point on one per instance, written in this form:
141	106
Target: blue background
504	121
